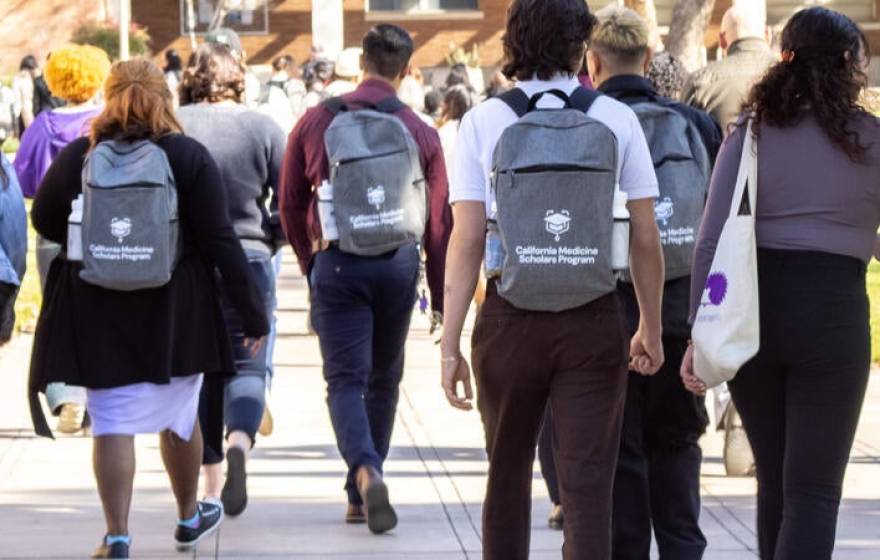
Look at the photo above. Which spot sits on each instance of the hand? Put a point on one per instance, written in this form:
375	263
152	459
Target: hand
646	353
254	345
691	382
457	371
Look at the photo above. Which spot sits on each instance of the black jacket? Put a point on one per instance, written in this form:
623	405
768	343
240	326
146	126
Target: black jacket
633	89
99	339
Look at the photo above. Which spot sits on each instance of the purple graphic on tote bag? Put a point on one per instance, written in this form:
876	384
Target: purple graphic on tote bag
716	290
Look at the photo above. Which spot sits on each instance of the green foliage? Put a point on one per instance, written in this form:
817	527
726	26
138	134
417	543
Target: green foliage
458	55
106	36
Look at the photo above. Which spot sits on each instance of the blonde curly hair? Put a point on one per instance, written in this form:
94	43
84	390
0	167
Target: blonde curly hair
76	73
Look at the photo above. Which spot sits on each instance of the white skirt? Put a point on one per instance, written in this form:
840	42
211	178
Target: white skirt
146	408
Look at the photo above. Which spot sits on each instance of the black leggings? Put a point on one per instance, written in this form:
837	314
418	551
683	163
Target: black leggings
801	396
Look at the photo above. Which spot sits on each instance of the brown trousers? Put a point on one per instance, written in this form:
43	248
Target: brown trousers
577	361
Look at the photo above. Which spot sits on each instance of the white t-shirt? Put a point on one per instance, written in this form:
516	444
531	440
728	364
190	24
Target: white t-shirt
482	127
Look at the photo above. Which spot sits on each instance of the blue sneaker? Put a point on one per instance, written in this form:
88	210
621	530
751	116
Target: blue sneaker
210	516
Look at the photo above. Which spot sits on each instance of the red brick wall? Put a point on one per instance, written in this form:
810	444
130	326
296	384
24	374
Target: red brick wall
38	26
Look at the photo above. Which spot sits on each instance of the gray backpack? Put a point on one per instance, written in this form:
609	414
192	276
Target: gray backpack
683	172
130	232
554	178
379	192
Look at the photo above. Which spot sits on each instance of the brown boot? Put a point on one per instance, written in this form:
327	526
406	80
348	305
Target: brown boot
355	515
381	517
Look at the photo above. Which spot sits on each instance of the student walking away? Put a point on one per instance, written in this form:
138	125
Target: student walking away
23	89
721	87
657	484
317	75
76	74
248	148
284	96
381	191
253	88
140	334
536	172
173	71
817	213
456	103
13	246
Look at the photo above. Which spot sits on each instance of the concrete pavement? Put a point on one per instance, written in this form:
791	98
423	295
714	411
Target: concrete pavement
49	507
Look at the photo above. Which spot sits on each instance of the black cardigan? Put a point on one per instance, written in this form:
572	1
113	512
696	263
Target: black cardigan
97	338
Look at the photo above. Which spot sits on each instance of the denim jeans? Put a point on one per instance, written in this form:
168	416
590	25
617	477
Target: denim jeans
245	392
361	311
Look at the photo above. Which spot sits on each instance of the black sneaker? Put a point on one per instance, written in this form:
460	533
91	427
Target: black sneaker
210	517
234	495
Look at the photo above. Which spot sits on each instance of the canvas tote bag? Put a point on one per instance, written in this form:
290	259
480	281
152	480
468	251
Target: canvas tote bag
726	333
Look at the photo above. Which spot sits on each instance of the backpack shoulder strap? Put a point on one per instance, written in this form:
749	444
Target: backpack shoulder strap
517	100
390	105
336	105
582	98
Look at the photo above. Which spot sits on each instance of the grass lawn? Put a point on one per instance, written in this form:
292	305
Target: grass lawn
874	293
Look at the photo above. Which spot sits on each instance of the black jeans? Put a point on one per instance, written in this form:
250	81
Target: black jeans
657	483
801	396
361	311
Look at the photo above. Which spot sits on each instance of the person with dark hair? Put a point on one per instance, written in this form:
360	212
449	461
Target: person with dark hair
433	103
248	148
143	355
456	103
23	89
668	74
498	85
362	301
817	214
657	485
549	348
317	76
284	95
13	246
173	71
458	76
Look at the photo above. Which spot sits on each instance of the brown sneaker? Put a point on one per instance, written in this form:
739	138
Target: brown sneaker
355	515
267	424
381	517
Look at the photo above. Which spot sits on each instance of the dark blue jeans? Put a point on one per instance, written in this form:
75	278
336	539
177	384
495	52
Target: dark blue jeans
245	393
361	310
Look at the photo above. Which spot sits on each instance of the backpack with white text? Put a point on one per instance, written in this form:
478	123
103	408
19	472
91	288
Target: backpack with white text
554	181
379	191
683	173
130	235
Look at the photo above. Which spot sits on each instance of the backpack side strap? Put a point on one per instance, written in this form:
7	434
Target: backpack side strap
517	100
582	98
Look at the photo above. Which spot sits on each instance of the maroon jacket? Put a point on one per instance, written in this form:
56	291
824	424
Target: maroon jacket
306	166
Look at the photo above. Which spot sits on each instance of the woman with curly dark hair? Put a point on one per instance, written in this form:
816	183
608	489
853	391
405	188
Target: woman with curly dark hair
817	215
248	148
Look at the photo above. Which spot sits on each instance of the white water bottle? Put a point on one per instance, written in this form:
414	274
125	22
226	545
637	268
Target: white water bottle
326	212
620	233
74	230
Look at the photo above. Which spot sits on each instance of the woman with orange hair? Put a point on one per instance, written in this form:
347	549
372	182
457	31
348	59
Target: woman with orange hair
75	74
143	355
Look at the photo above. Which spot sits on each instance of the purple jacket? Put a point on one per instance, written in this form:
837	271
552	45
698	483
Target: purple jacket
50	132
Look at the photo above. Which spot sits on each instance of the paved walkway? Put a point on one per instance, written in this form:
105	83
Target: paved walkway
49	507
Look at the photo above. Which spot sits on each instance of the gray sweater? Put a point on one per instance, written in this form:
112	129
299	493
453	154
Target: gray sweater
248	148
811	196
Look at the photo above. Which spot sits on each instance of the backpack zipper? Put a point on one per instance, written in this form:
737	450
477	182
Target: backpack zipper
375	156
559	168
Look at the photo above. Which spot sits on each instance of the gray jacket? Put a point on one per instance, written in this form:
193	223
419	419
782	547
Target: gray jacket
721	87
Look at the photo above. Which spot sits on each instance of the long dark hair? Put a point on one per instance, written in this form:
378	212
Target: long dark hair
545	37
821	72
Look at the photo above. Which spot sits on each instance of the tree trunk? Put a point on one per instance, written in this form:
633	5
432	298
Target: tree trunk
690	18
647	10
220	11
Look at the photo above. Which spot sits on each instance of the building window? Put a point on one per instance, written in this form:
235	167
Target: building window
421	6
247	17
